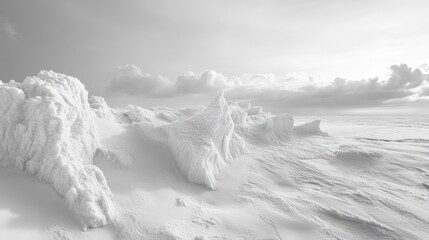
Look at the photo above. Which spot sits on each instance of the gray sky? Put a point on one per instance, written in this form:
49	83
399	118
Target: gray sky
325	39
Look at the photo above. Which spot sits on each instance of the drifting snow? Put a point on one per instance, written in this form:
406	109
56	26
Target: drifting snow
203	144
47	129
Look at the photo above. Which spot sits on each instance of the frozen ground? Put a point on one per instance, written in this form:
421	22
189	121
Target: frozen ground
356	178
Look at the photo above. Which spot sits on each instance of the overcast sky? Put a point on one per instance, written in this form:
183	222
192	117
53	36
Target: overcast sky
147	48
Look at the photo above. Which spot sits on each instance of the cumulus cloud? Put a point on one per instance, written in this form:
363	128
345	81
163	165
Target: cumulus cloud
403	82
204	82
131	80
297	90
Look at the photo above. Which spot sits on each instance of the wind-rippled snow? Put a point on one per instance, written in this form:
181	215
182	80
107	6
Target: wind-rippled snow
346	177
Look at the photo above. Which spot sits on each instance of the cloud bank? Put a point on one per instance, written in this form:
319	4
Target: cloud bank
404	85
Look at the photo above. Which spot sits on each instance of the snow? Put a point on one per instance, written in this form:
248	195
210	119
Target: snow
99	106
260	175
203	144
46	129
310	128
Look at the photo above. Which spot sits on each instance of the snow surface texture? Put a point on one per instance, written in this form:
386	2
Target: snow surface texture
99	106
312	128
47	129
256	125
203	144
356	155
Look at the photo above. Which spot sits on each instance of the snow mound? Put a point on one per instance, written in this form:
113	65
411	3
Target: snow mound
203	144
99	106
138	114
158	115
269	129
356	155
47	129
280	127
312	128
238	114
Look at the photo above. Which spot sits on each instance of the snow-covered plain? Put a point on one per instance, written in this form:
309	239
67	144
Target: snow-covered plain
225	171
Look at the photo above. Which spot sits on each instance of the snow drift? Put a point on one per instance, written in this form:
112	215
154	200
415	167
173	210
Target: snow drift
47	129
356	155
203	144
256	125
311	128
99	106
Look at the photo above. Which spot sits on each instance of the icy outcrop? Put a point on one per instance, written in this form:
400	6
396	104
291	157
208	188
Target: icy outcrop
269	129
312	128
99	106
238	115
256	110
280	126
138	114
158	115
275	129
203	144
47	129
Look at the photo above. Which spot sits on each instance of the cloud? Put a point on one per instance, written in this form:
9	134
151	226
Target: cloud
294	90
424	92
131	80
8	29
403	85
204	82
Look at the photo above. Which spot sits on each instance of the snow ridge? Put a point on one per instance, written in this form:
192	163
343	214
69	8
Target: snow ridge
47	129
312	128
203	144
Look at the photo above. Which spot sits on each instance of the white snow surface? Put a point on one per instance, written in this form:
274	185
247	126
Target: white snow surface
99	106
203	144
47	129
273	178
312	127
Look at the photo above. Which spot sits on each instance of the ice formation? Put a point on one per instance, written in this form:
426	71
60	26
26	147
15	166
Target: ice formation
238	114
158	115
99	106
312	128
203	144
47	129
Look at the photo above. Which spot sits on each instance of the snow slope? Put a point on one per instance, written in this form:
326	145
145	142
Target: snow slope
47	129
312	127
203	144
367	179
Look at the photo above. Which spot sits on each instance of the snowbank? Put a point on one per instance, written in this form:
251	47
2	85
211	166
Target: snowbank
357	155
238	114
158	115
47	129
312	128
99	106
269	129
203	144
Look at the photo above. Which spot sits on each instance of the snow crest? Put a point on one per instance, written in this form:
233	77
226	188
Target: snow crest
203	144
355	153
47	129
312	128
99	106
